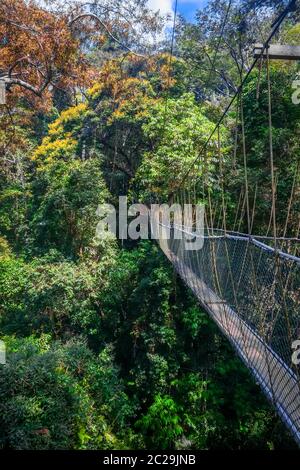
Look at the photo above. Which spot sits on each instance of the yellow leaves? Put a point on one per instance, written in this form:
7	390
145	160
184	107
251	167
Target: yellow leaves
49	151
132	99
59	143
95	90
113	82
108	80
71	114
55	128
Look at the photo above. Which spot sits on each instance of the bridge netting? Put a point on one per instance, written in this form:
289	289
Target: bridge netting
252	292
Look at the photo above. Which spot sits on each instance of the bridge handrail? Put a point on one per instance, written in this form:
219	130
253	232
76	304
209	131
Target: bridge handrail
241	237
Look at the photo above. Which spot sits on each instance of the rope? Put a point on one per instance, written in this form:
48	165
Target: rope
276	27
271	151
219	43
170	60
245	168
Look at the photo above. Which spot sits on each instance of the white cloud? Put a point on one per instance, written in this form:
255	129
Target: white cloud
164	6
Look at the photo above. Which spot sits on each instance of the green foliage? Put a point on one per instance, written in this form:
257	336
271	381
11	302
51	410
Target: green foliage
66	198
106	347
60	396
54	296
177	130
161	424
285	131
13	212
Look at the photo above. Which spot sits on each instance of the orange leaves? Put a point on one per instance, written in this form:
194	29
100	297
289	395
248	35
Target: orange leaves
38	49
125	95
38	56
132	85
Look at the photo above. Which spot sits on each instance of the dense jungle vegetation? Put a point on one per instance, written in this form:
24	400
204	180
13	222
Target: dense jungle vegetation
106	348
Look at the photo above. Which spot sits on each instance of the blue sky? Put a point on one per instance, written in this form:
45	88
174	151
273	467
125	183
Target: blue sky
186	7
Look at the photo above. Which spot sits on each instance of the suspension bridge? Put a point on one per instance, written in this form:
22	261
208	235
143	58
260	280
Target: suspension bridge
252	292
249	284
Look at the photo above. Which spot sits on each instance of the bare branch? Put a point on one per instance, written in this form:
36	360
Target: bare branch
20	26
37	91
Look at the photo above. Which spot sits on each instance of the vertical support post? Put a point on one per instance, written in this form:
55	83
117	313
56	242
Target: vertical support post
2	92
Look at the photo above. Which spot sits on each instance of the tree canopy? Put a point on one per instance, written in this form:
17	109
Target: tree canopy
106	347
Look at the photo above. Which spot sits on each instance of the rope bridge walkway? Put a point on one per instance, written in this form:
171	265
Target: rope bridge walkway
253	293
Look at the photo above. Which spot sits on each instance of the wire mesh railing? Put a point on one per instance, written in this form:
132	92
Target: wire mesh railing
252	291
